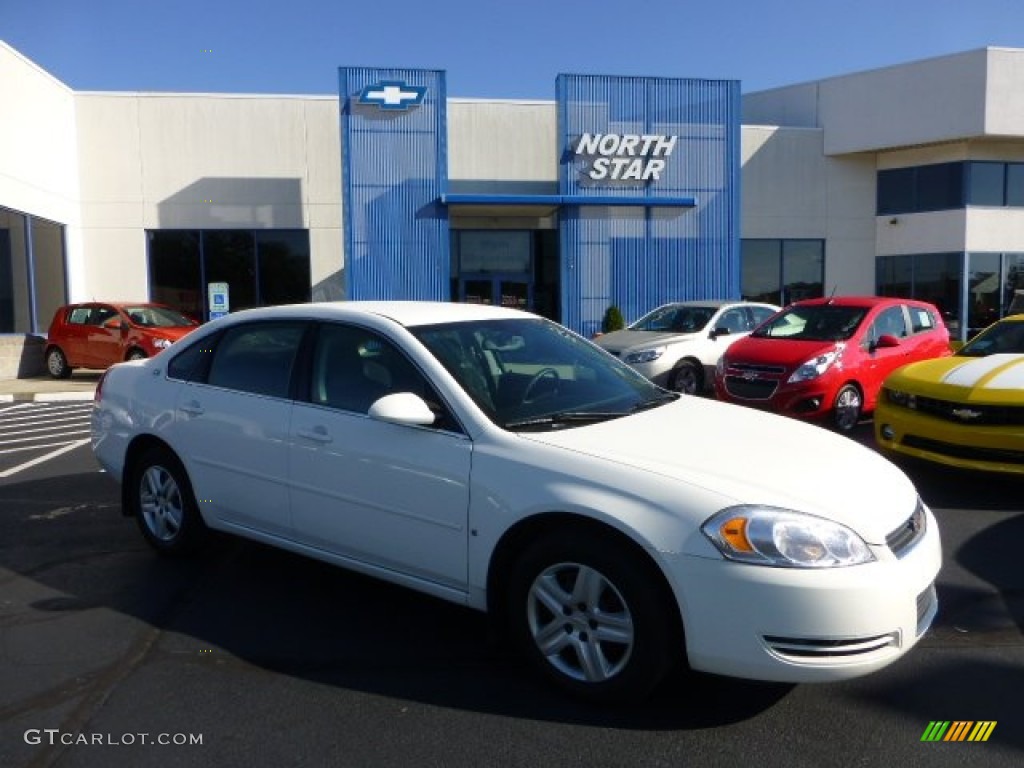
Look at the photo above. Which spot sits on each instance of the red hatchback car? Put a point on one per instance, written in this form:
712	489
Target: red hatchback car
95	335
825	359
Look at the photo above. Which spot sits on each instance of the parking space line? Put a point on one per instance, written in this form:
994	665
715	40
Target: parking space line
29	439
24	448
4	431
44	457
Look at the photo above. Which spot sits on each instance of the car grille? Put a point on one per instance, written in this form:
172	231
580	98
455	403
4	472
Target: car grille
975	415
966	452
902	539
752	382
747	389
804	648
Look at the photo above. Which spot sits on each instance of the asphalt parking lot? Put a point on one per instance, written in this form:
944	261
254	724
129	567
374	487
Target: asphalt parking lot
265	658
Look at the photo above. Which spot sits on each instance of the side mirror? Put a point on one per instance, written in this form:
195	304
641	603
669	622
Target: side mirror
721	331
402	408
886	341
114	324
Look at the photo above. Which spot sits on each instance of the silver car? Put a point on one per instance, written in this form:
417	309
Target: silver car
678	345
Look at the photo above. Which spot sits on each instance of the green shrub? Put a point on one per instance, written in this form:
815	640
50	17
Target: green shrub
612	320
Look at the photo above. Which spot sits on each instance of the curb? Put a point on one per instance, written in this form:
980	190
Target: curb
46	397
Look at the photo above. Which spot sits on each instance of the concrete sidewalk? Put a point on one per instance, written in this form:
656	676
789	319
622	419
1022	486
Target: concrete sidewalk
80	386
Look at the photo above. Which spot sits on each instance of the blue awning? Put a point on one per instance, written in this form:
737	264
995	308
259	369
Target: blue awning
560	200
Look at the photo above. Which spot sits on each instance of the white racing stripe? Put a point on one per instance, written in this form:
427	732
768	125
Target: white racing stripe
1008	370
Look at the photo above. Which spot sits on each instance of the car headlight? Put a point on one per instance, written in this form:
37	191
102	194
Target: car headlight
904	399
784	538
644	355
814	367
162	343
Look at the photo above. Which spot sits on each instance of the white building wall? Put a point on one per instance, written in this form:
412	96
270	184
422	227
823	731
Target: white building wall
38	157
789	189
502	140
156	161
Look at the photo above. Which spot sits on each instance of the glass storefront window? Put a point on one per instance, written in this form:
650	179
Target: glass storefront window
283	266
761	270
802	269
33	277
983	291
175	277
261	267
782	271
1013	284
933	277
494	251
1015	184
985	183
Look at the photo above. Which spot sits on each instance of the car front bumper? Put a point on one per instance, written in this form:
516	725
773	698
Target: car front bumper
922	436
807	625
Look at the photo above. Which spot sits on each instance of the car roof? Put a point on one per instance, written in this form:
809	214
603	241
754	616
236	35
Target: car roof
407	313
712	303
856	301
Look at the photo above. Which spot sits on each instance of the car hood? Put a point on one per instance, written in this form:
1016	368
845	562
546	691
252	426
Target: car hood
618	341
996	379
785	352
751	457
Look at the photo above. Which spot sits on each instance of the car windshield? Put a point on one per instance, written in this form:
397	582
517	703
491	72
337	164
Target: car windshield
674	318
534	374
158	317
816	322
998	339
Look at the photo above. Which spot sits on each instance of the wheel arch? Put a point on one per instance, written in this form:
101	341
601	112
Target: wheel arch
516	539
136	448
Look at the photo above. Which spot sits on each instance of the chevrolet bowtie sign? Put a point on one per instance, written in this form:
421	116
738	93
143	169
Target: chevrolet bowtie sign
393	94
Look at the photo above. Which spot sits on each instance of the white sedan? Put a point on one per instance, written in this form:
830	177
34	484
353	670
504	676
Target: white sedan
677	346
495	459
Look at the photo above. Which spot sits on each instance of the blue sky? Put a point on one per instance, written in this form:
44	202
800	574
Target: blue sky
512	49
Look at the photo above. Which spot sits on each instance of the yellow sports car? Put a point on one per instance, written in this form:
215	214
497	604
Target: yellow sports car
966	410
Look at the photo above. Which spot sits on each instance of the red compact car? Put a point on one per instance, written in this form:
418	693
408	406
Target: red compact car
825	359
95	335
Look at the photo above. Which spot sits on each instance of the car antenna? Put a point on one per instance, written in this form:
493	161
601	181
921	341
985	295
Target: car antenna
832	295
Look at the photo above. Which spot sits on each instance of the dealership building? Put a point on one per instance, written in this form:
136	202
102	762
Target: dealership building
632	191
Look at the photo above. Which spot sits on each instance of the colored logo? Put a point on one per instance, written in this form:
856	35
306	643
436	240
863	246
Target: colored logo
958	730
393	94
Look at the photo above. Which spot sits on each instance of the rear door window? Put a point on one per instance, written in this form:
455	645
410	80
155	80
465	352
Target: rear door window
258	358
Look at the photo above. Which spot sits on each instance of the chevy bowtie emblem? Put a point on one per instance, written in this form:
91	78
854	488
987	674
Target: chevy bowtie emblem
966	414
393	94
749	375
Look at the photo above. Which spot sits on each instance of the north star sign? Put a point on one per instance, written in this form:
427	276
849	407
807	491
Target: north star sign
625	157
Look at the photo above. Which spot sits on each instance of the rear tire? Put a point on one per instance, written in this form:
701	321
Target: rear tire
589	614
57	363
162	501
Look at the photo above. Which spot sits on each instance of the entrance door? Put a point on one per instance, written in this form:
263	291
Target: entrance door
513	291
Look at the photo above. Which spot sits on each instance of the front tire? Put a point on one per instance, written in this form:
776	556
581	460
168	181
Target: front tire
589	614
847	408
136	354
164	505
57	363
687	378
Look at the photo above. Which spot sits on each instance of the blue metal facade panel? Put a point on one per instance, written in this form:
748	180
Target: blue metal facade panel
394	169
638	258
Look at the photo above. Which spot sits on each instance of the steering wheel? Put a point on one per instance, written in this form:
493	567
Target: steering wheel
538	377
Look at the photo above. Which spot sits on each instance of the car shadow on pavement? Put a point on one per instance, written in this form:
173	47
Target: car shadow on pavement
241	605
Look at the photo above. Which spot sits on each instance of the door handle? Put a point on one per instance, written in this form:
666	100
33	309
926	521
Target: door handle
318	434
192	408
